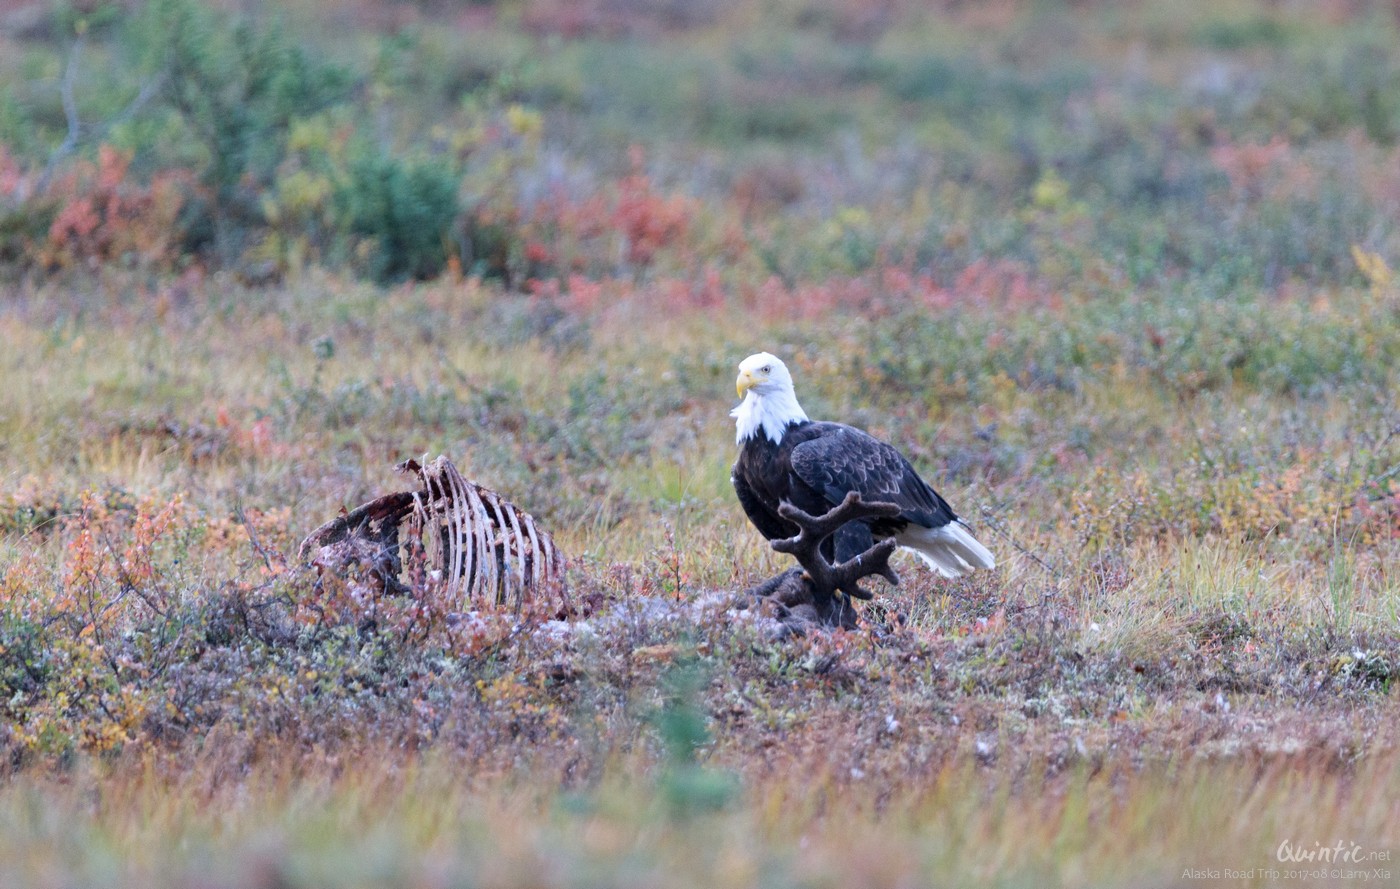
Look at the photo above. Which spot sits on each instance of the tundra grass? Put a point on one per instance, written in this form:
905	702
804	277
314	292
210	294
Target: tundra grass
1117	278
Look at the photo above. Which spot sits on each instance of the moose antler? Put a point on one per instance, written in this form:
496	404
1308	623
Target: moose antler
827	579
810	595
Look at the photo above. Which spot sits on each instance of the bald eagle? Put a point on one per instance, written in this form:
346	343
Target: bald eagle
784	456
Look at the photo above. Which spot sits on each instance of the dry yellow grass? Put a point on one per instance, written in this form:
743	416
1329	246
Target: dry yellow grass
373	818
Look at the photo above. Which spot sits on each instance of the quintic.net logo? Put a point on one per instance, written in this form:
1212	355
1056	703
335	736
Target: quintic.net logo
1339	861
1337	853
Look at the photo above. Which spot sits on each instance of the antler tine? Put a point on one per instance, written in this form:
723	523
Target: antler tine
875	560
823	526
806	546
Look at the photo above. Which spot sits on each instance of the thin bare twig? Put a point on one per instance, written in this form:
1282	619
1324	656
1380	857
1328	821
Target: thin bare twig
75	136
999	527
70	111
253	538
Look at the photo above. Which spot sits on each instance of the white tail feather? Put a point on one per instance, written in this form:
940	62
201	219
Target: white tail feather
950	550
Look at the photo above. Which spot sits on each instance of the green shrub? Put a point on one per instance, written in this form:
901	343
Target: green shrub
405	209
1351	86
236	89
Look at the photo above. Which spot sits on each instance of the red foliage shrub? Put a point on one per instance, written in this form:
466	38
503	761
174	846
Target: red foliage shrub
1249	167
1001	282
14	183
649	221
103	216
595	233
767	187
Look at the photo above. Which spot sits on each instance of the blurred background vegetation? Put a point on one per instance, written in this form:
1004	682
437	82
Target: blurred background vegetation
1088	146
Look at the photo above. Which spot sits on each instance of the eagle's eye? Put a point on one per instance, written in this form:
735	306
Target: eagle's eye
766	369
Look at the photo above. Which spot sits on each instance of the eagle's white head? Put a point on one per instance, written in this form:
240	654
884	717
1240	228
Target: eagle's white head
769	401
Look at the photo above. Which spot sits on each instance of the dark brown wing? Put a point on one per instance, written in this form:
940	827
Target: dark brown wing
843	459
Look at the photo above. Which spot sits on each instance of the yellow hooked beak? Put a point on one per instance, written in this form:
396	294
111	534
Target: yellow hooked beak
745	382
